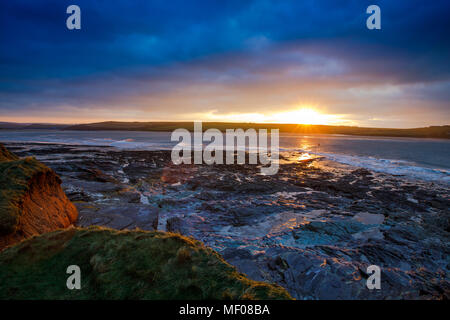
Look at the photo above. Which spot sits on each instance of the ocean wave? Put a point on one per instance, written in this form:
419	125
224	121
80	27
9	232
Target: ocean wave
391	166
131	144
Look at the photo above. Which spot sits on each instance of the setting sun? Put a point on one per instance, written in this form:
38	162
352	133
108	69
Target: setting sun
304	116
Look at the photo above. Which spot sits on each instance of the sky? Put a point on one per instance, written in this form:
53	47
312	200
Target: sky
294	61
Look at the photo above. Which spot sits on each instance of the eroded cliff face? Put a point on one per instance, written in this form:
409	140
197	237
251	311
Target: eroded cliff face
32	201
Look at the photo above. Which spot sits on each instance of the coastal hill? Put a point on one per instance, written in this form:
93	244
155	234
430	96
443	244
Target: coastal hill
31	126
426	132
123	265
31	199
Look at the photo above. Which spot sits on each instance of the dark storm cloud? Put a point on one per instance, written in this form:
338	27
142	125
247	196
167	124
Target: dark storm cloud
129	49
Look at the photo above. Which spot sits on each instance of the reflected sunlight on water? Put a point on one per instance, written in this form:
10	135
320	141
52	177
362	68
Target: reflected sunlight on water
305	156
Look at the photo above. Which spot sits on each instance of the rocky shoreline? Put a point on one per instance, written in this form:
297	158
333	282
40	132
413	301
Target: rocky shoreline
313	228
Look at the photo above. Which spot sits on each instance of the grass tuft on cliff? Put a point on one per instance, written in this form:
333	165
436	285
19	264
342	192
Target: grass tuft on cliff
5	155
15	176
123	265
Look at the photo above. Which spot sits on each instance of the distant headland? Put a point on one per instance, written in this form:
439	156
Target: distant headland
442	132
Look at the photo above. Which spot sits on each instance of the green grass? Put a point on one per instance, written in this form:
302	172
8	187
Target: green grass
123	265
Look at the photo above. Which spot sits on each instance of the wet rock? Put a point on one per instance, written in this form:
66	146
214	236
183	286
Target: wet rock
370	234
439	204
119	217
175	225
242	216
318	232
93	174
244	261
94	187
277	264
369	218
234	253
361	172
77	195
207	196
130	196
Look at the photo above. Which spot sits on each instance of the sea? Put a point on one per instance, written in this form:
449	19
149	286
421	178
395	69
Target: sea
426	159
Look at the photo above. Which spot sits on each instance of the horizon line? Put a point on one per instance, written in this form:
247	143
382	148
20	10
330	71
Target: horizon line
222	122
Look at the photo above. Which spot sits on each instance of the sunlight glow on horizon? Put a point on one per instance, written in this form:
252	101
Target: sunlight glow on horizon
298	114
303	115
